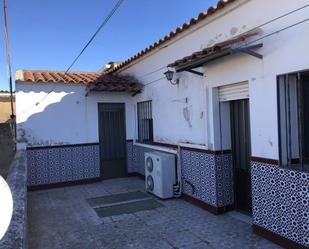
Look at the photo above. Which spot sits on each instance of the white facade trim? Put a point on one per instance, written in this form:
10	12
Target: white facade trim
191	30
156	147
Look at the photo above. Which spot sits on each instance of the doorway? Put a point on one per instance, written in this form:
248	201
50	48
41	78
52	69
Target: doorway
241	152
112	139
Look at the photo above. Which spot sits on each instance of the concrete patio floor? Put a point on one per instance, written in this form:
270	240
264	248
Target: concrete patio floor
62	218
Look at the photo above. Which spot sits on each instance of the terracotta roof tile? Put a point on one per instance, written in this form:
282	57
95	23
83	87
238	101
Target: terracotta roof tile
202	16
211	50
94	81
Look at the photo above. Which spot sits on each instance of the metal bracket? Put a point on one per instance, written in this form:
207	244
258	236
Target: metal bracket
195	72
135	93
249	50
189	66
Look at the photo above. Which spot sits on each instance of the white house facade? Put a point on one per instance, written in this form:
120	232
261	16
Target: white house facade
235	113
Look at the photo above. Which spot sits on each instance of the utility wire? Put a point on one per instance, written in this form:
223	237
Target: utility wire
149	73
248	31
154	81
109	16
9	68
277	18
253	41
261	38
257	27
8	57
276	32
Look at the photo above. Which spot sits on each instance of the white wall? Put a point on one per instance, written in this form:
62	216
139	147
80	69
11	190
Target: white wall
283	52
194	121
66	115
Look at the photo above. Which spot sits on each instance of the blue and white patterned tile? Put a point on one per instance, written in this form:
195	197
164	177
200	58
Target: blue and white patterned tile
63	164
130	161
42	167
78	163
280	201
96	160
32	169
55	165
139	158
224	179
199	169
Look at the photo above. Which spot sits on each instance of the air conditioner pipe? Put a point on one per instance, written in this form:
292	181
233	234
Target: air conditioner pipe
178	186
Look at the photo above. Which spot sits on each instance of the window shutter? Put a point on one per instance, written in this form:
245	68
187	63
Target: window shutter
234	91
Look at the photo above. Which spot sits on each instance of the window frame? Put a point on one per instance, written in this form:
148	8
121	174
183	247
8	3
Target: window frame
291	162
145	130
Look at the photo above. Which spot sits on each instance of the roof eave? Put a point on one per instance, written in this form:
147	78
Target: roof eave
153	48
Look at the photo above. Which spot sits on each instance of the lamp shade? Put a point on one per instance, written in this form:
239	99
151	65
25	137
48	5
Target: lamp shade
169	75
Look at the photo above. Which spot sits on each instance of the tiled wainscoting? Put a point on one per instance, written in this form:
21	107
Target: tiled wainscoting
211	175
281	201
58	164
280	196
136	158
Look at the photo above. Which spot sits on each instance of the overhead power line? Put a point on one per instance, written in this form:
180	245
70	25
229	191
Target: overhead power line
248	31
109	16
151	82
278	31
111	13
253	41
257	27
278	18
8	57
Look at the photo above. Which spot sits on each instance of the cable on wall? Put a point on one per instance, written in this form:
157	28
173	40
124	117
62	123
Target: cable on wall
149	73
248	31
277	18
151	82
277	31
261	38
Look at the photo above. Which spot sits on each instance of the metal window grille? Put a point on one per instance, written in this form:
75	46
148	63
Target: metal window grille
145	121
293	120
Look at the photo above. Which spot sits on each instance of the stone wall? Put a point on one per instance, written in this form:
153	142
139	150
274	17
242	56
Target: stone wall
16	236
7	148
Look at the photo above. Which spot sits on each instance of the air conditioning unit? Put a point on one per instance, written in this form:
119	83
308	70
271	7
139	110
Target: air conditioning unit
160	173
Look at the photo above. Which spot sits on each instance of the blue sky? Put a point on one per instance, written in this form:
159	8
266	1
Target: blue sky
49	34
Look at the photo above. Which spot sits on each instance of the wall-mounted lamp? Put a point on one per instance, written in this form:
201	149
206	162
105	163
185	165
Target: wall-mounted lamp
169	76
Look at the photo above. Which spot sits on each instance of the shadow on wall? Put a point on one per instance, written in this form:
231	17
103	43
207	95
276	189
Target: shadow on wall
7	148
53	119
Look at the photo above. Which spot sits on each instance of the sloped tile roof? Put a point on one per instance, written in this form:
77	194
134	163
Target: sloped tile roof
56	76
94	81
212	50
116	83
202	16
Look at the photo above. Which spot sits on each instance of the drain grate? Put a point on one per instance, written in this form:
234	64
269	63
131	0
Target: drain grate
127	208
114	199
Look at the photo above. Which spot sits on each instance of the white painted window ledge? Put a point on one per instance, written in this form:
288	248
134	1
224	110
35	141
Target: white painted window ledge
170	150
